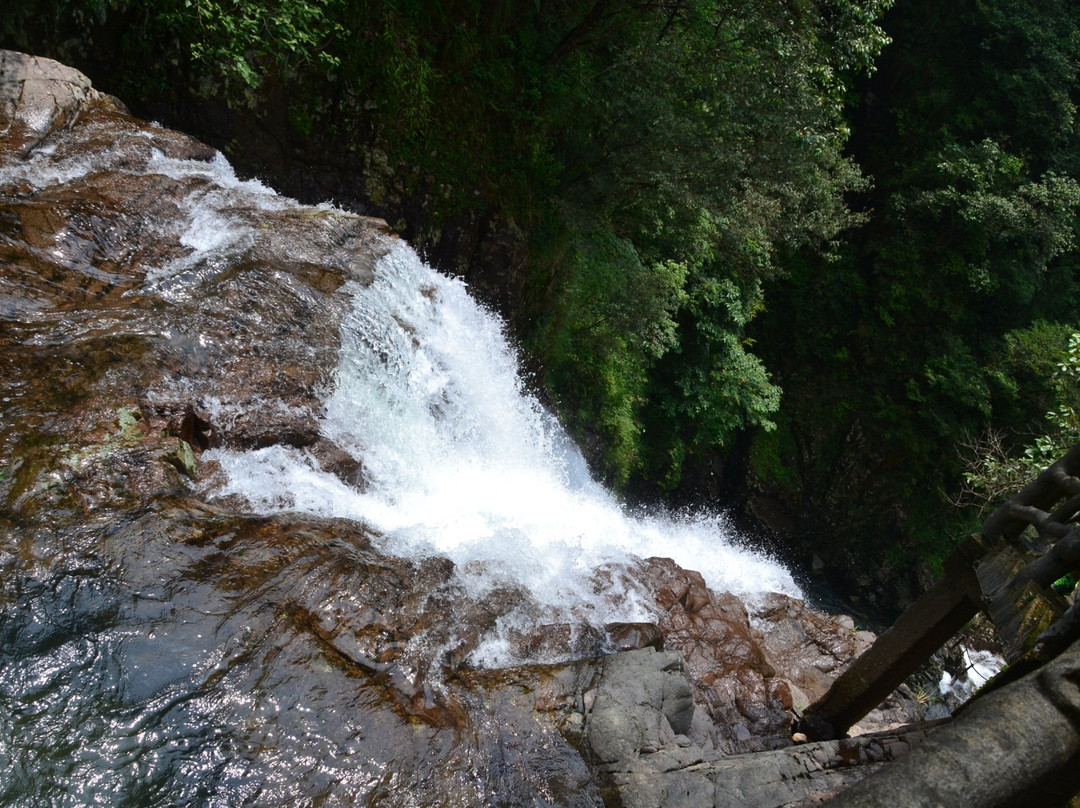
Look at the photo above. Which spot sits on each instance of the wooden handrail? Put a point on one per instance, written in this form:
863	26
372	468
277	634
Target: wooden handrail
987	561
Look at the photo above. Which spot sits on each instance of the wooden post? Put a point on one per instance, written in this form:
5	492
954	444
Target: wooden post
942	610
1008	585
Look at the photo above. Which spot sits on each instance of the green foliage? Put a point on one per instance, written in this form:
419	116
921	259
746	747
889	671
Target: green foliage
992	223
770	454
1062	427
940	318
1021	375
613	318
995	471
236	40
712	387
224	47
741	164
971	256
453	95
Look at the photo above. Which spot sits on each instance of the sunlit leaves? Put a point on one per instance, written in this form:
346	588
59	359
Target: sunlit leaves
994	222
995	470
237	40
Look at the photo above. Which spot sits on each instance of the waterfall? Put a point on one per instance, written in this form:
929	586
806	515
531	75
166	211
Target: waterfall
164	643
460	460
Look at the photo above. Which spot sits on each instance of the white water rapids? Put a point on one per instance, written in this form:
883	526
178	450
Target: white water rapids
461	461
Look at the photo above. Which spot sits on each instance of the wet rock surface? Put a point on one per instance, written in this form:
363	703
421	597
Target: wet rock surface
159	642
731	674
794	777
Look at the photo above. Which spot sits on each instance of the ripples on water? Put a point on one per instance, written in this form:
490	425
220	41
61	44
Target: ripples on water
161	680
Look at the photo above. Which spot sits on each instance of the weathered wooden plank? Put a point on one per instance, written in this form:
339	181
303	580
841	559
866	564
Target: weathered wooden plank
1020	607
1010	585
942	610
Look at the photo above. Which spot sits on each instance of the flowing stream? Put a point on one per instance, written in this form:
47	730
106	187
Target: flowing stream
458	458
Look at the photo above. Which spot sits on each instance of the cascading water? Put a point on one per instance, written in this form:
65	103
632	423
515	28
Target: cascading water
459	460
330	609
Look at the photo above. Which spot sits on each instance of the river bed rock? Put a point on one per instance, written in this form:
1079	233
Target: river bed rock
162	641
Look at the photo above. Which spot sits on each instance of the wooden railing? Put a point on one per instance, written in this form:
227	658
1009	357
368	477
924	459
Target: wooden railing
995	571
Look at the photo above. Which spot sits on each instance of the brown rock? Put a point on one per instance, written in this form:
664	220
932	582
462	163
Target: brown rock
630	636
732	677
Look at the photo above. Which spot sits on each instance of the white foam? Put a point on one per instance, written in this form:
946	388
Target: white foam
42	170
461	461
979	668
222	176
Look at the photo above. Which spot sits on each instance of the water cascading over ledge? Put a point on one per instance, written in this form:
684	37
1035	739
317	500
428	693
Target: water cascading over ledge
277	515
456	460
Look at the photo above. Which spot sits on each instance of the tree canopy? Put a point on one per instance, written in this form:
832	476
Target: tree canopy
939	317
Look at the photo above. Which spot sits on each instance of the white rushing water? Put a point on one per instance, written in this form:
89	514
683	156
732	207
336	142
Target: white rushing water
979	667
461	461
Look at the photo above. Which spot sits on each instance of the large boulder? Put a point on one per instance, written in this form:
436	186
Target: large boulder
38	96
643	703
656	749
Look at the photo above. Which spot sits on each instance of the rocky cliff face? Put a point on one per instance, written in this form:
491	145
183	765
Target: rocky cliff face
165	643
